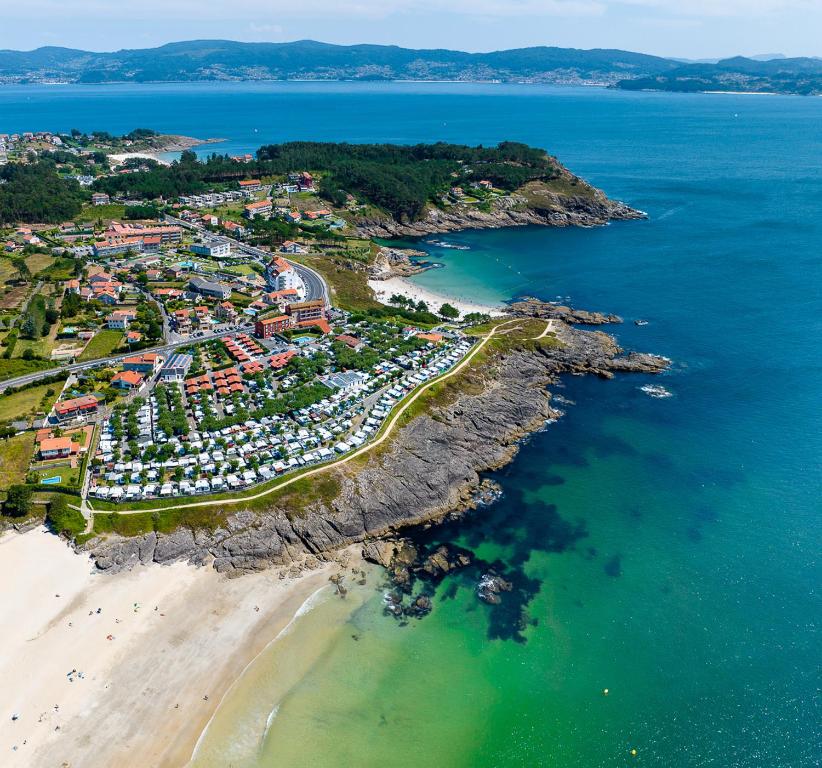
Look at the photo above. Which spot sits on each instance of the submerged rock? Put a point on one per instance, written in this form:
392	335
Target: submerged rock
490	586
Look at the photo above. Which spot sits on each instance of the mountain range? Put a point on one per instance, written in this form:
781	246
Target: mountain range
199	60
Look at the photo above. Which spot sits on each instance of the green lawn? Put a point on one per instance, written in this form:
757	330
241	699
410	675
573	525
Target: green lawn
15	457
37	262
9	369
27	402
102	345
94	212
68	477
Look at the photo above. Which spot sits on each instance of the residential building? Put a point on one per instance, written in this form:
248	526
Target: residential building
289	246
146	363
215	249
57	448
267	327
250	185
208	288
350	341
283	276
100	198
182	320
120	318
260	208
127	380
227	311
306	310
76	407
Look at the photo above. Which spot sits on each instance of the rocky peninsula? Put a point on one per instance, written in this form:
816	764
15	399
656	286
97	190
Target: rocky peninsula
429	470
566	202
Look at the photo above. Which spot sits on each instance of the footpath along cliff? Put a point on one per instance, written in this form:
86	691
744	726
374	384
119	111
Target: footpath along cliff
429	469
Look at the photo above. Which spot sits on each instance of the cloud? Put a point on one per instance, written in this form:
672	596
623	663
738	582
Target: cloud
722	8
261	10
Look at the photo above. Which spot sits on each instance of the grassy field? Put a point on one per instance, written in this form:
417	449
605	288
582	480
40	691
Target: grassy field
102	345
7	270
37	262
104	212
28	402
9	369
15	456
349	289
68	477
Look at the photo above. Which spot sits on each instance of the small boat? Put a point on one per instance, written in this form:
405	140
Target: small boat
640	322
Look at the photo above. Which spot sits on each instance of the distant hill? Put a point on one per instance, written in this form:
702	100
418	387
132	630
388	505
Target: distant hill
306	59
799	76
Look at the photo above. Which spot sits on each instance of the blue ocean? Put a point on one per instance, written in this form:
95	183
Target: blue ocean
665	549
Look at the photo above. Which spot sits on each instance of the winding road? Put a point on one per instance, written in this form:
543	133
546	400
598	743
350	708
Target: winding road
388	428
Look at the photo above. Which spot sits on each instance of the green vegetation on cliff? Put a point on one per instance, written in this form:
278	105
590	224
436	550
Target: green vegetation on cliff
398	179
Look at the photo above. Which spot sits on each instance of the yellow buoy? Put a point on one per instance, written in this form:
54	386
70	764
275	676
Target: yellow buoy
633	753
605	691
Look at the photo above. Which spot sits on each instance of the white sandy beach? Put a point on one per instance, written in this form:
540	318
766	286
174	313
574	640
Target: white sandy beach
384	289
167	643
120	158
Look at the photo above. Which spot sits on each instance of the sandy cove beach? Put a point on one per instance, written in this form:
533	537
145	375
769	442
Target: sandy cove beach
136	683
121	157
384	289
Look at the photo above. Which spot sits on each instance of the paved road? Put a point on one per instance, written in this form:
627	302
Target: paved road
164	349
315	286
382	436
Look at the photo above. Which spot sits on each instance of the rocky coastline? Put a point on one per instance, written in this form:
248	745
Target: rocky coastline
430	471
397	262
590	209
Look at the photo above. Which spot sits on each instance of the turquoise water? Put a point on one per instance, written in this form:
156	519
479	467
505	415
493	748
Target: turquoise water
667	550
56	480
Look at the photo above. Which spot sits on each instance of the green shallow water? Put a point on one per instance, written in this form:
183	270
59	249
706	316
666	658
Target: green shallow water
667	550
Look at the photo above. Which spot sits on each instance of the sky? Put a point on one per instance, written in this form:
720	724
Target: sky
680	28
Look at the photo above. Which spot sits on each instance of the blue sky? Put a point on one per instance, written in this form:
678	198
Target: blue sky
684	28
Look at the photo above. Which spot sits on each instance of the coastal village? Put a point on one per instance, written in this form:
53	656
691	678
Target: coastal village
168	356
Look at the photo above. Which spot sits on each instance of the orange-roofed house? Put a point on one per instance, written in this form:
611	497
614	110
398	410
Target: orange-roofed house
350	341
260	208
320	324
57	448
147	363
127	380
250	185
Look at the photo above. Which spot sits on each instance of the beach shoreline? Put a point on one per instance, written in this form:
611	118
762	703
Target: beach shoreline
146	673
384	289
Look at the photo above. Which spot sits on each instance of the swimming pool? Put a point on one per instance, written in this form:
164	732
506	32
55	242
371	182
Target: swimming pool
56	480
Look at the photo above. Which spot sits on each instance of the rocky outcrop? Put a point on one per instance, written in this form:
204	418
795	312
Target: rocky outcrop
588	209
430	469
530	307
396	262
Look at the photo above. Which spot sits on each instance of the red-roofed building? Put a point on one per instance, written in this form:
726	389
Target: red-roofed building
127	380
57	448
265	329
350	341
146	363
78	406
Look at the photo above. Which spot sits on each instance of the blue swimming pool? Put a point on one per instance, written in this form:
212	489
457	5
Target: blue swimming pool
52	480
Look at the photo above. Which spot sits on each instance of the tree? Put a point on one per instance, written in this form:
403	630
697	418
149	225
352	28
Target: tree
18	501
30	329
422	306
63	519
449	311
154	330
